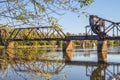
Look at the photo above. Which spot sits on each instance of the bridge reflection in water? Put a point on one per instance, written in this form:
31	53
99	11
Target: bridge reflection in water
37	64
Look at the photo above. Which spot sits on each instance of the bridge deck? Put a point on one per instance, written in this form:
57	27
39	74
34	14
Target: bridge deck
91	37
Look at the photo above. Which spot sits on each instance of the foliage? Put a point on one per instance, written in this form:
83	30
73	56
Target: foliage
17	13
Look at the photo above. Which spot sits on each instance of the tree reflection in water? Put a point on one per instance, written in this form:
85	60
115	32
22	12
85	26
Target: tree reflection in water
35	64
29	64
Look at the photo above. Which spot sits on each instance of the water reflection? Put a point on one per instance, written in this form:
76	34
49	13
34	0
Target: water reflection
102	56
67	55
30	64
37	64
99	73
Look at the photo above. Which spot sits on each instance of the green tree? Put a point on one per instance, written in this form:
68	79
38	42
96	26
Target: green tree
18	13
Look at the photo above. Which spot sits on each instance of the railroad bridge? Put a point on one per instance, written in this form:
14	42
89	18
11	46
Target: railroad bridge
99	29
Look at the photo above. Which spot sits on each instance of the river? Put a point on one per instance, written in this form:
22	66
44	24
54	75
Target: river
50	64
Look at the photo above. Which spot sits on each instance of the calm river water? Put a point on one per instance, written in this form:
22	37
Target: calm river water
49	64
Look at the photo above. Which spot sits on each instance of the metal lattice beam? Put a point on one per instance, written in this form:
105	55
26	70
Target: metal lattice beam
36	33
103	27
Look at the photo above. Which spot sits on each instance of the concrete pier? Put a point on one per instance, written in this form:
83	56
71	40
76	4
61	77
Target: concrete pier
67	46
67	55
102	50
10	45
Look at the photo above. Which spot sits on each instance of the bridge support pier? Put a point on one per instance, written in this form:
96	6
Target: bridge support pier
67	55
67	46
102	50
10	45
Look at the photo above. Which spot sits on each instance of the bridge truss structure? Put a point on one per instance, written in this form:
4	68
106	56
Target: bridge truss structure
98	29
103	28
36	33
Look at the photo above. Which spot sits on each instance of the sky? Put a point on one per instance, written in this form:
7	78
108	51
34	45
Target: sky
108	9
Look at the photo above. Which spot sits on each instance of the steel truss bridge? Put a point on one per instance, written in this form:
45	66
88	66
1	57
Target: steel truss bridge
98	29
